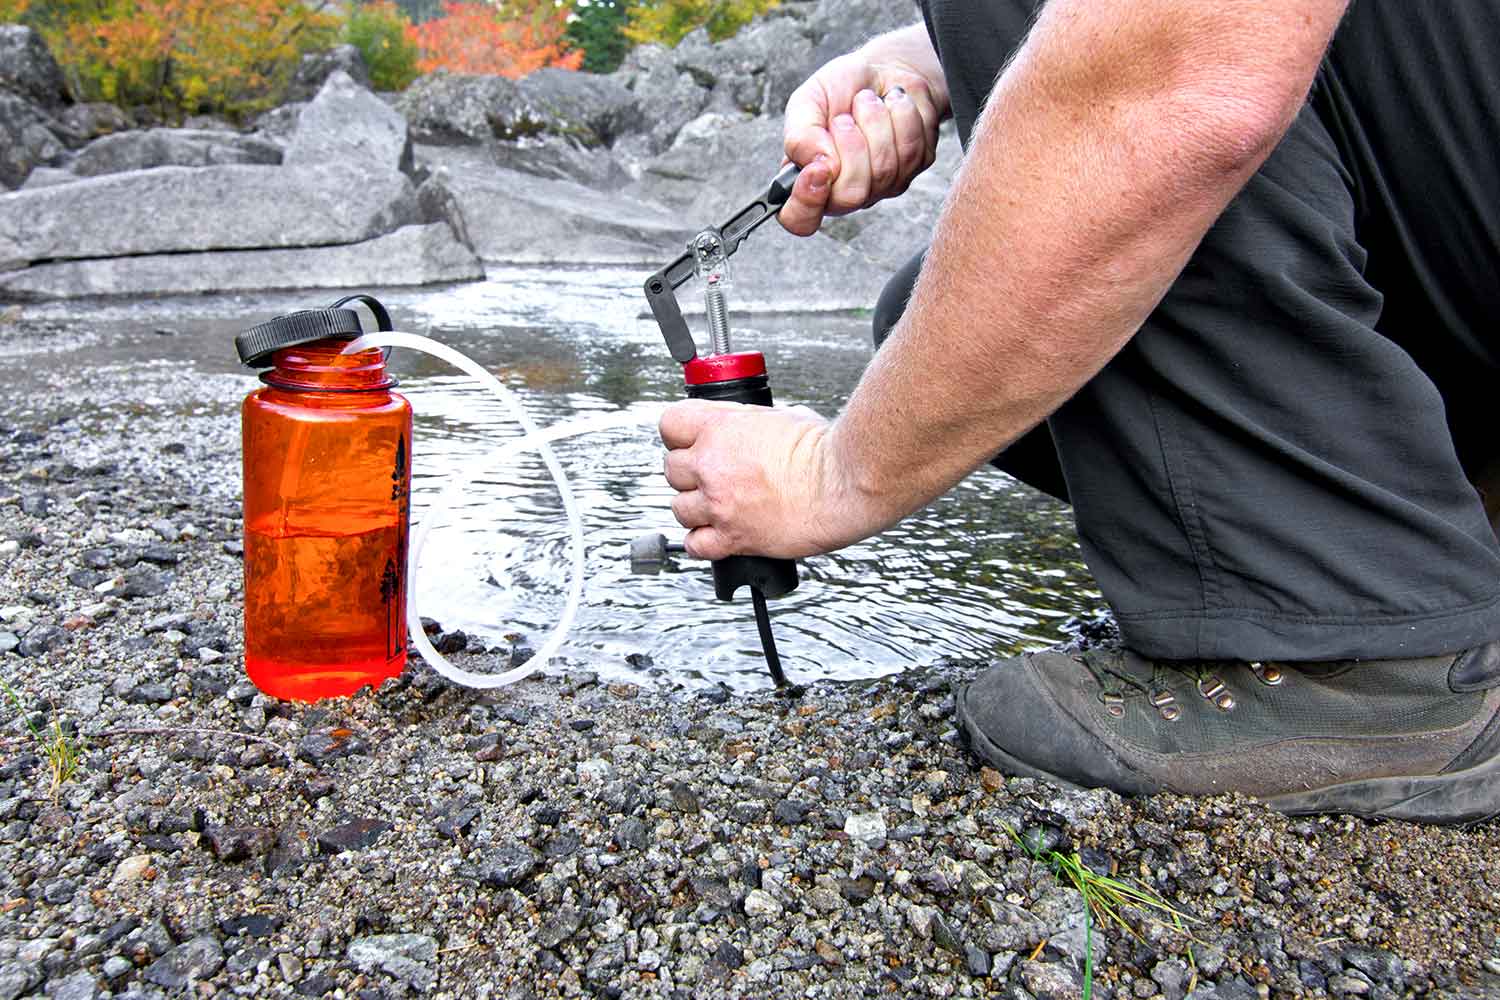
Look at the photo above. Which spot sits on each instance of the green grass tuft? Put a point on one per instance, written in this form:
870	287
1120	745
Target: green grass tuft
63	753
1103	896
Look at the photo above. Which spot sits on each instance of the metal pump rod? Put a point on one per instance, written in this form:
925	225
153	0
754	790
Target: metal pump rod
661	286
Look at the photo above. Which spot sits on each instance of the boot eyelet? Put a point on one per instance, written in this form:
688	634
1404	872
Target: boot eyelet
1210	687
1114	703
1166	704
1225	702
1267	673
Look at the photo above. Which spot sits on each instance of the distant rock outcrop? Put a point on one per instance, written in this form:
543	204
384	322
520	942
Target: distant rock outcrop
134	220
341	186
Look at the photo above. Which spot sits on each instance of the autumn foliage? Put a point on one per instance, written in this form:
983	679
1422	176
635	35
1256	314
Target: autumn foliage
509	39
182	56
665	22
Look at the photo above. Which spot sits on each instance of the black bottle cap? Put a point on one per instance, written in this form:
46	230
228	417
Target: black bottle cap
256	345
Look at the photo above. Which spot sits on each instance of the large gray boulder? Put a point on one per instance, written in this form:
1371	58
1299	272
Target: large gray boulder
561	158
346	123
520	218
316	67
174	209
716	164
840	26
79	123
459	107
27	138
28	69
413	255
582	106
668	96
456	107
170	147
755	70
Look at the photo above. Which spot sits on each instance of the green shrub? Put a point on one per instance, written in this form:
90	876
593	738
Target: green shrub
379	30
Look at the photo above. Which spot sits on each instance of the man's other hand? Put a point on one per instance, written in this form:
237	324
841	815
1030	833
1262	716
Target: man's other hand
753	480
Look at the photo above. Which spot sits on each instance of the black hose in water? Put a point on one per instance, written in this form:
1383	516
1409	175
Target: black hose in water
767	641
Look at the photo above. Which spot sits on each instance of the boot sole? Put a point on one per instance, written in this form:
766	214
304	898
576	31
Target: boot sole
1461	798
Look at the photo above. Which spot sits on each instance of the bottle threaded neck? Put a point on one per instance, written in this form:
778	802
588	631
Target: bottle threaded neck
323	367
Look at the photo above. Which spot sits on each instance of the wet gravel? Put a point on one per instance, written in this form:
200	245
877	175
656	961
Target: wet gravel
570	836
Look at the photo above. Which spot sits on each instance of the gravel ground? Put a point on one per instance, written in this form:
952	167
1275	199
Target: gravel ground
569	836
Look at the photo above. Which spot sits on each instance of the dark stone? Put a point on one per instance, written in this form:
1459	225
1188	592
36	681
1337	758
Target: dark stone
1381	966
631	834
640	661
316	985
42	639
563	845
977	960
59	891
581	725
451	642
857	890
154	693
237	843
1041	838
324	745
718	695
559	925
142	581
194	960
944	936
683	797
318	787
251	925
458	822
547	815
729	954
790	812
1049	981
86	579
97	558
244	960
160	555
355	835
509	865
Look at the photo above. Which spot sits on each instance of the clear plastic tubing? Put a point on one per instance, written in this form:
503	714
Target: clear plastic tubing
534	438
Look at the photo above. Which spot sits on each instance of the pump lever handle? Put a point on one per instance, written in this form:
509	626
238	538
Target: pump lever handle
660	286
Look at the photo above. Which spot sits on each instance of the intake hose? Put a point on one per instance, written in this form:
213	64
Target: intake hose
536	439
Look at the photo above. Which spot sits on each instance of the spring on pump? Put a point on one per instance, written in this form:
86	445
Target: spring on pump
717	305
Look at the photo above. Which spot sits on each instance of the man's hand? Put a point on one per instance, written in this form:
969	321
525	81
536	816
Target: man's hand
753	480
862	127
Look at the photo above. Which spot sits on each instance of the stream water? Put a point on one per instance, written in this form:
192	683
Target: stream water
990	568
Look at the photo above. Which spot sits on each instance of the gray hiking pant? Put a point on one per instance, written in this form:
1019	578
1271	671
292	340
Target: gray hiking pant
1281	463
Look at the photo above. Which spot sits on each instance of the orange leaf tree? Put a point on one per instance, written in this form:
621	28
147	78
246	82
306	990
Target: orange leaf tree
183	56
511	39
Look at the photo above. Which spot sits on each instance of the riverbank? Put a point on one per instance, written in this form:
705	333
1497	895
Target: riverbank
571	835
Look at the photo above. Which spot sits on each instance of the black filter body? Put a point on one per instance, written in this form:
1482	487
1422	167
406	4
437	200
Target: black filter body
772	577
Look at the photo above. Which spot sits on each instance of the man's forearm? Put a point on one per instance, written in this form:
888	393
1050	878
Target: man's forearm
1107	148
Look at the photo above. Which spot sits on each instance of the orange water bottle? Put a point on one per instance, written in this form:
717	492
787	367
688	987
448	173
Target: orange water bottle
327	478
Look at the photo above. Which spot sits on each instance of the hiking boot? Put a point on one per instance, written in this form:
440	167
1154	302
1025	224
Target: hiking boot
1415	739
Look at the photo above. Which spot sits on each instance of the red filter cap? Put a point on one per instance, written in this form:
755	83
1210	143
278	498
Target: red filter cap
724	367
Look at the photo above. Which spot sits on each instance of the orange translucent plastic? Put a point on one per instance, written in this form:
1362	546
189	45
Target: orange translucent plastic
327	466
